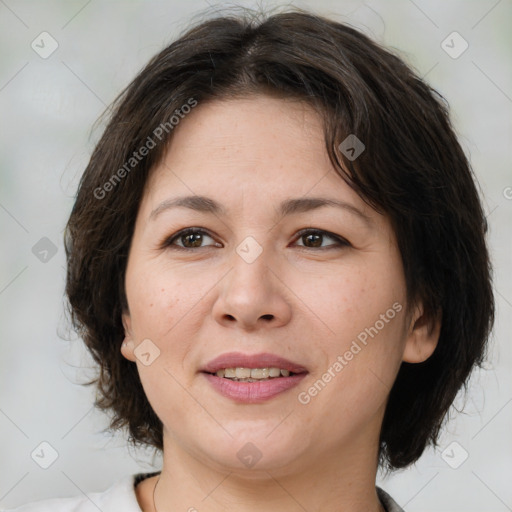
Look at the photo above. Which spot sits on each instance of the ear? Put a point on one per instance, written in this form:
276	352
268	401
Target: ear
422	337
128	345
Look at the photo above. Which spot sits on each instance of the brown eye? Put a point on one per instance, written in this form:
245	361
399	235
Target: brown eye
314	238
190	238
193	238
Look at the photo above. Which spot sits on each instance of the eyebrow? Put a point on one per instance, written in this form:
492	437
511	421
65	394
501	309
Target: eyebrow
288	207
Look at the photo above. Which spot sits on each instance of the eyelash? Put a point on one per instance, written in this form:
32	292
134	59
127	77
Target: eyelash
340	242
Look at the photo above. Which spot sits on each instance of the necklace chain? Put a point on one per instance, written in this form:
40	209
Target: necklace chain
154	489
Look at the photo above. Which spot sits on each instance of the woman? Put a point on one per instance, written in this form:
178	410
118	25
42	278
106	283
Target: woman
277	258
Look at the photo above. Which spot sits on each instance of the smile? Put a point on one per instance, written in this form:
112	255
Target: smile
252	374
252	378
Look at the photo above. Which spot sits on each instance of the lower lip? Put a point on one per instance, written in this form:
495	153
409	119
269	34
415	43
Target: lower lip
253	392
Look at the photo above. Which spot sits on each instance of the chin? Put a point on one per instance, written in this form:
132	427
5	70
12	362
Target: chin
252	451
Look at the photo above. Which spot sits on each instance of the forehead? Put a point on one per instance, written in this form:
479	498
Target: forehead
253	162
256	151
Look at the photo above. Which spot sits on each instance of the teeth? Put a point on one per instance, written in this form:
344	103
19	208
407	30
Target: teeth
243	373
260	373
251	374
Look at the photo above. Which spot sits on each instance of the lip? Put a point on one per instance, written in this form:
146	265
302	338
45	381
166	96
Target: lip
252	392
263	360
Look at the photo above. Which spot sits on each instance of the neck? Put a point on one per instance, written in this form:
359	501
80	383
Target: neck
342	480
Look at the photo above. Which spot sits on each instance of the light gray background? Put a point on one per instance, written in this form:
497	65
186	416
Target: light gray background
48	107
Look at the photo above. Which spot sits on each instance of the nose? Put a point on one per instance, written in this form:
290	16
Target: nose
252	296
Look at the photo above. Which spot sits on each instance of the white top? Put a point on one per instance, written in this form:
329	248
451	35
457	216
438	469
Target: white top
121	497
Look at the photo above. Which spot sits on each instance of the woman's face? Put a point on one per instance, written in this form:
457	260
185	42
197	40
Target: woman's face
247	281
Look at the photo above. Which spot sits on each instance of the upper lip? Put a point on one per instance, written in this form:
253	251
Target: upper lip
263	360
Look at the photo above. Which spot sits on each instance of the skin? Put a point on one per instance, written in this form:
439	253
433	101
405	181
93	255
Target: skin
296	300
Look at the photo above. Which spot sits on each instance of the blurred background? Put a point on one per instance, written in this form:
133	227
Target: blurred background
61	64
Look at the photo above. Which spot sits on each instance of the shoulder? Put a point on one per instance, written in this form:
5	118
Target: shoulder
119	497
389	503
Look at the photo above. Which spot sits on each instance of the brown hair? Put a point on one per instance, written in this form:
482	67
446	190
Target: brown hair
413	170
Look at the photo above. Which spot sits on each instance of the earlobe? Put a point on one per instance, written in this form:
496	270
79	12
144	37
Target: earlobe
422	337
127	348
128	345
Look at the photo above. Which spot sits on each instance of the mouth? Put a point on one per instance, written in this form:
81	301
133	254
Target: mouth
241	374
252	378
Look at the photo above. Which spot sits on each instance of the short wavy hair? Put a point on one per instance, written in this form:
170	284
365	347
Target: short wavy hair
413	170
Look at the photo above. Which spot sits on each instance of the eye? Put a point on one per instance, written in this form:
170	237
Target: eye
313	239
193	238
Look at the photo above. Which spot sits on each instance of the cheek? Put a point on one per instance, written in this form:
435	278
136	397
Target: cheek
161	305
353	299
362	312
167	306
159	298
